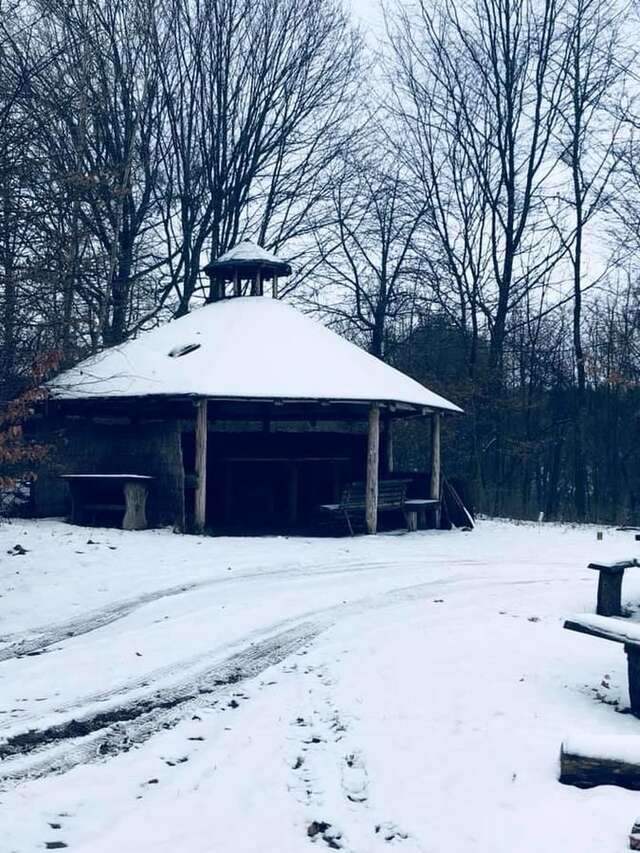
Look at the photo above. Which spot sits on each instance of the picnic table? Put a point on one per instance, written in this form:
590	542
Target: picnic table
96	495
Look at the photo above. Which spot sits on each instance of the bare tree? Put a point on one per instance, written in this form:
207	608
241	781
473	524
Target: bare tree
366	278
256	96
103	141
478	89
589	134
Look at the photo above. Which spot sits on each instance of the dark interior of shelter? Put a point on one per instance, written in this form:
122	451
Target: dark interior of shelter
262	477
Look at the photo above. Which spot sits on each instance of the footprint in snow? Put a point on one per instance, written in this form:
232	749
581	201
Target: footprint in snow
390	832
331	836
355	781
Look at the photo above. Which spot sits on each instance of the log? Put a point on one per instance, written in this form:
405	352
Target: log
200	510
613	760
373	463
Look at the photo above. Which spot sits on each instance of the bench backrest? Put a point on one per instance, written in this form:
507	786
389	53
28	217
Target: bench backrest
391	495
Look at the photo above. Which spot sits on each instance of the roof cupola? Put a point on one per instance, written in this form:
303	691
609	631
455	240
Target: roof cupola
243	271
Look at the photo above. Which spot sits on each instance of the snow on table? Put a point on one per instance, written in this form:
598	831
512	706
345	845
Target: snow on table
425	709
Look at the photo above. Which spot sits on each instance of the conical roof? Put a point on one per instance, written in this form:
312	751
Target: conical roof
247	347
247	254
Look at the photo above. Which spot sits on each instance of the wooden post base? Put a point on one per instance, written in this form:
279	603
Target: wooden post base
135	517
610	594
412	521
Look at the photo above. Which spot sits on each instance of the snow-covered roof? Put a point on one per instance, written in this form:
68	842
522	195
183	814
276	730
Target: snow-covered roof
247	347
249	254
247	250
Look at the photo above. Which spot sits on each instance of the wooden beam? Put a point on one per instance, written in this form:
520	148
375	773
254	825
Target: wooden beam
201	467
373	465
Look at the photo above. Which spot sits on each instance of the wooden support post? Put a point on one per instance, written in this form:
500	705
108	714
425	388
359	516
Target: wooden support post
633	669
373	463
237	291
275	287
201	467
435	489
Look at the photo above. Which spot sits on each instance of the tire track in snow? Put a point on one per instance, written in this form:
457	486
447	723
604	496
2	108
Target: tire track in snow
60	747
111	719
38	640
110	722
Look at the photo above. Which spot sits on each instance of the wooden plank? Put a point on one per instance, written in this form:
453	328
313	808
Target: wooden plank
603	632
434	491
201	467
373	464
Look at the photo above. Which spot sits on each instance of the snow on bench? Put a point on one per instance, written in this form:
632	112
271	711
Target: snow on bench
588	760
619	631
606	627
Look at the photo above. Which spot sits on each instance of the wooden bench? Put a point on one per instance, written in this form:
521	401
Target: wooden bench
121	494
352	505
618	631
415	511
610	586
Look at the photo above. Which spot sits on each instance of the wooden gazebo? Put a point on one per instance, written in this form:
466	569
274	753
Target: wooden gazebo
243	409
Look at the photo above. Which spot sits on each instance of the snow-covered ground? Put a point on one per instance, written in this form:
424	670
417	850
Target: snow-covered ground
177	694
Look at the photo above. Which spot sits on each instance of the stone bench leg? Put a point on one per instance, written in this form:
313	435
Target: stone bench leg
610	594
135	517
411	517
633	668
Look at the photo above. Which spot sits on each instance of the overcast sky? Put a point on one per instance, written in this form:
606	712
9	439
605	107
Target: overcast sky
367	12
